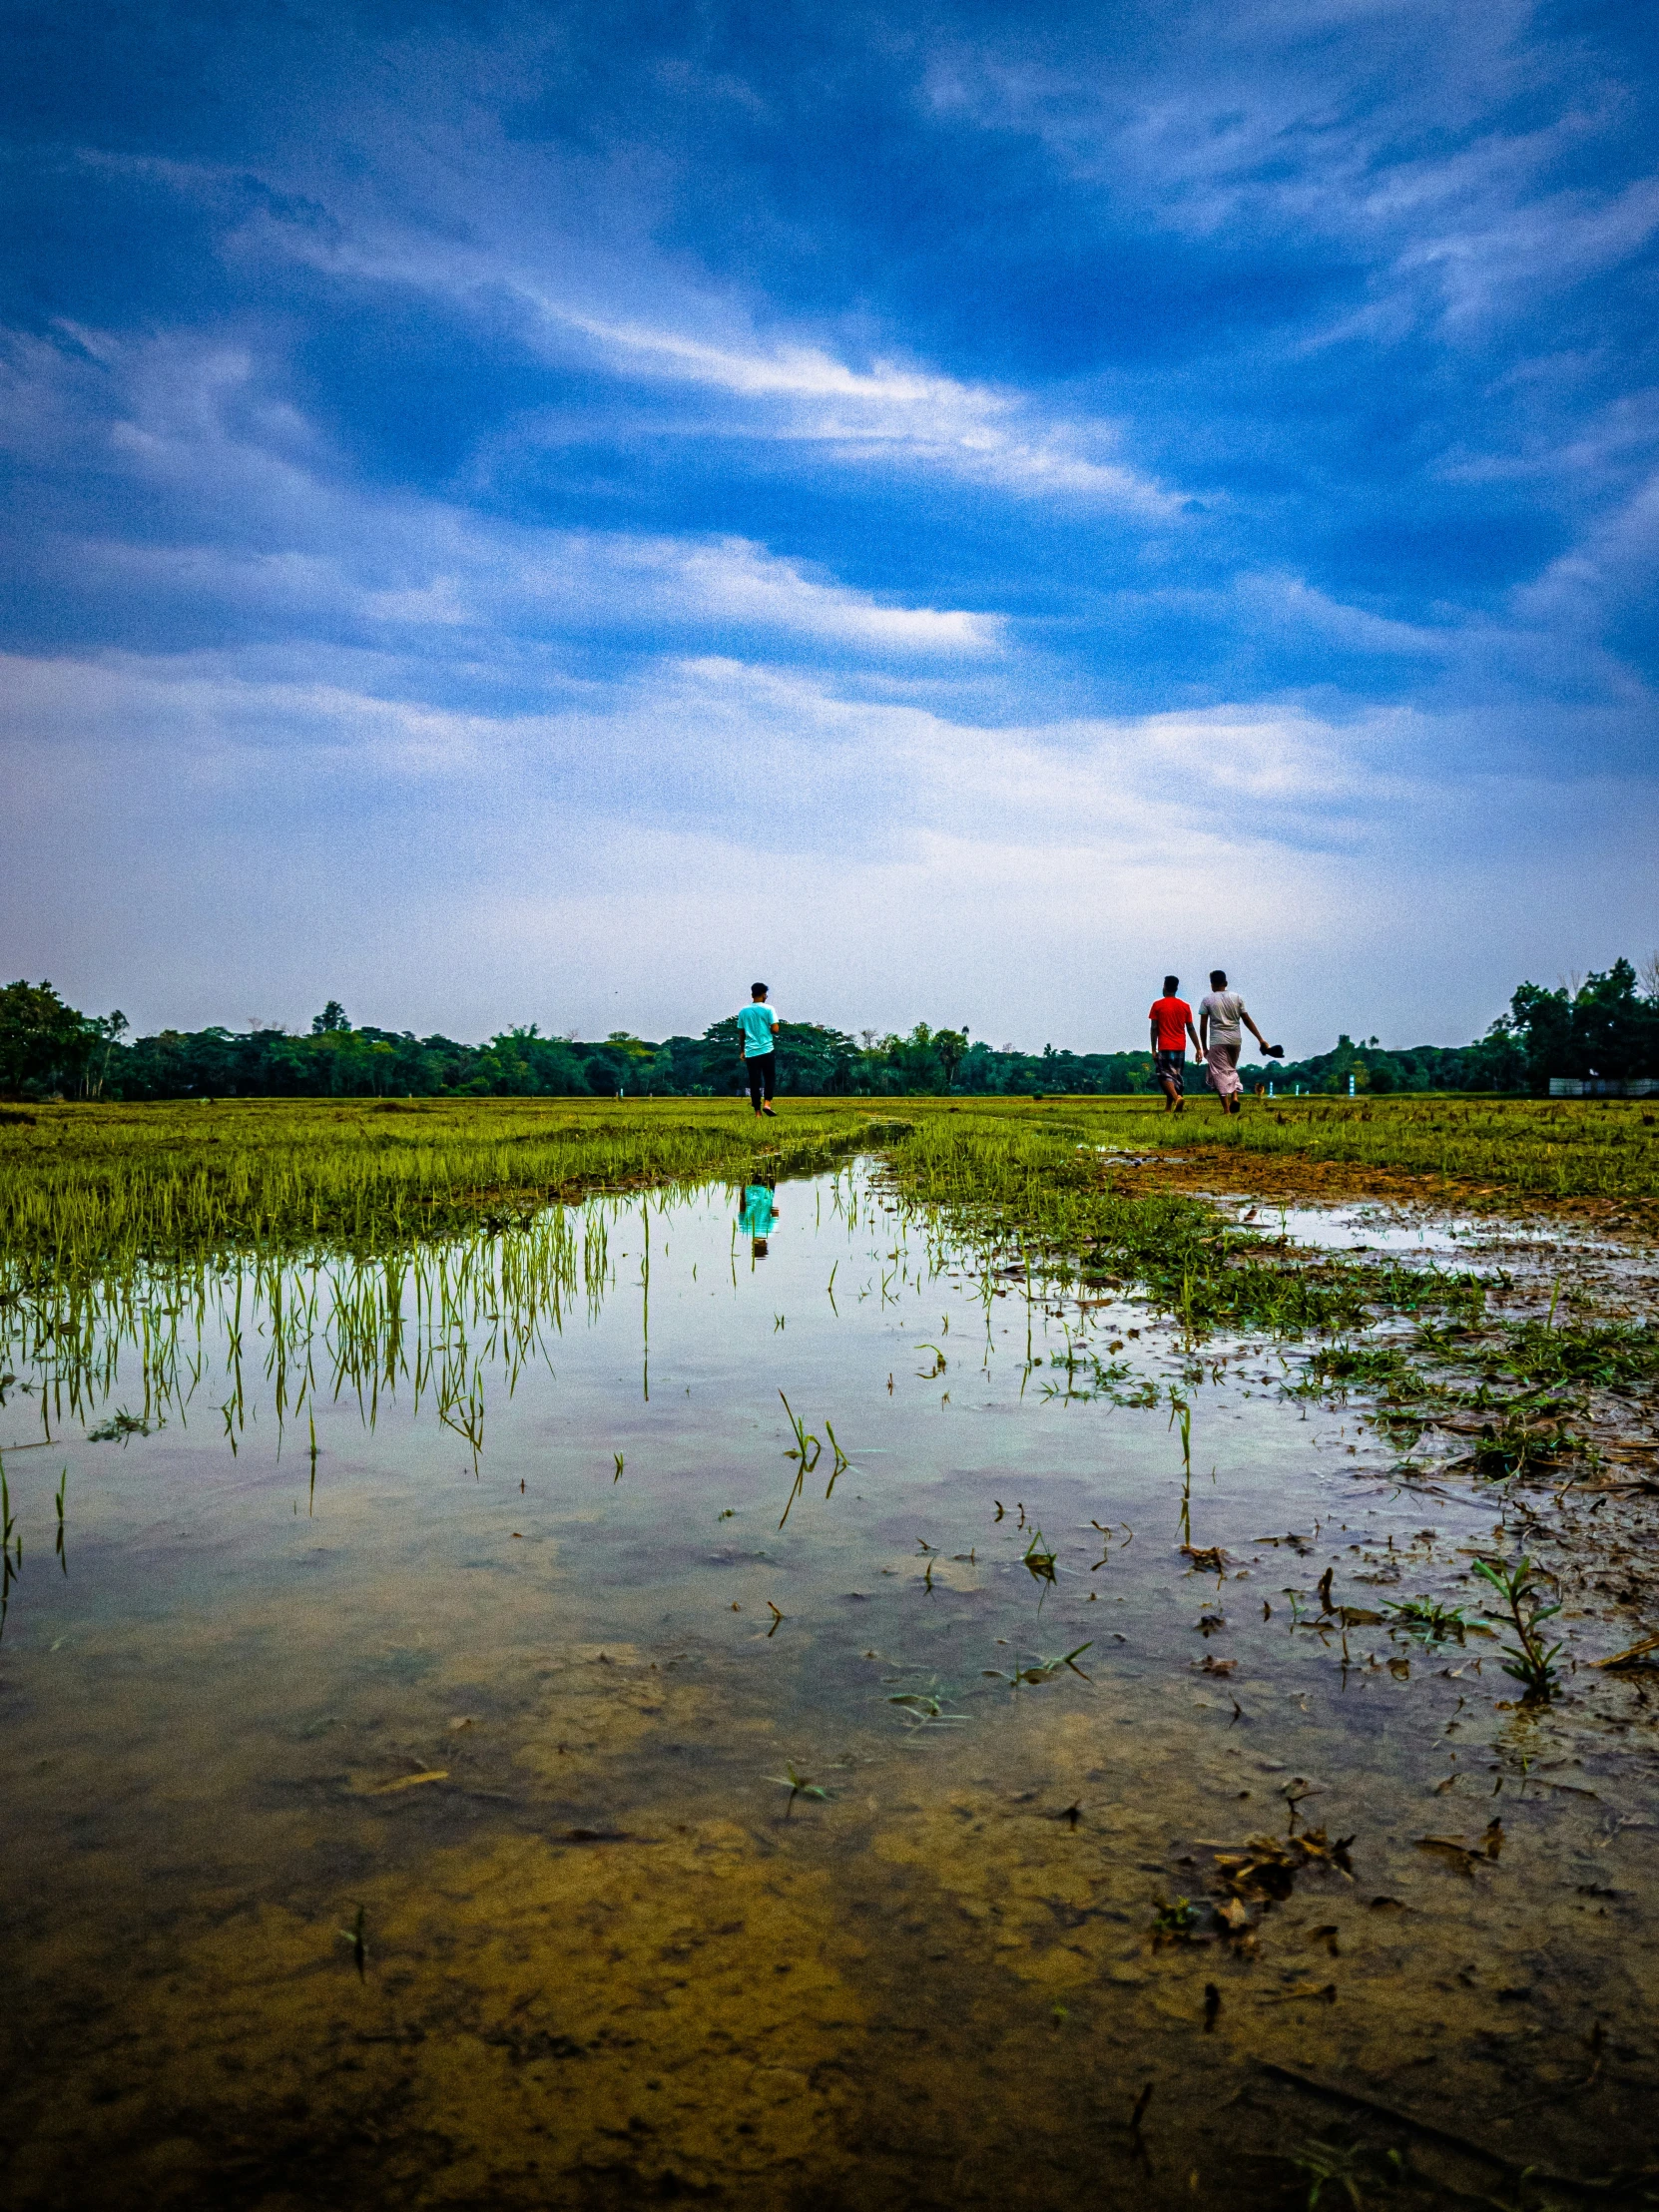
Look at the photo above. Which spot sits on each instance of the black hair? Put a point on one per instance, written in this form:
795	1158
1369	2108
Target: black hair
756	991
1218	979
1172	983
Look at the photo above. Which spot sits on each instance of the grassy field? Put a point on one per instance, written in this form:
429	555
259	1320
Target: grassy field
1541	1148
118	1223
88	1185
90	1190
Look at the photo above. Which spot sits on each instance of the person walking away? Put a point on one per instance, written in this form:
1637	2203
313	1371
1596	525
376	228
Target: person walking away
1220	1013
759	1023
1172	1025
759	1217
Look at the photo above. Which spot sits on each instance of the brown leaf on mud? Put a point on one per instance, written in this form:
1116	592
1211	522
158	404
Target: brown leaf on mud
1631	1654
1267	1867
1358	1616
1456	1852
1400	1669
409	1780
1234	1916
1492	1840
1213	1665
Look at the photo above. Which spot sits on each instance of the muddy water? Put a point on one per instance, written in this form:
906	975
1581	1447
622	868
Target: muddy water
697	1854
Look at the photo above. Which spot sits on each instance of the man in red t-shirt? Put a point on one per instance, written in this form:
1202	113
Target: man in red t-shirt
1172	1025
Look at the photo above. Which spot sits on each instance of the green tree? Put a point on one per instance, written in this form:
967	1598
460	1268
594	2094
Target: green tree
45	1046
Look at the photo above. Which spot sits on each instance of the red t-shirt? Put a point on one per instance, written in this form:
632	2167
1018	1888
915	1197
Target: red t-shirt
1172	1016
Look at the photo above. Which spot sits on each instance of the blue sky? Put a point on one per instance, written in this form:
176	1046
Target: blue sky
548	513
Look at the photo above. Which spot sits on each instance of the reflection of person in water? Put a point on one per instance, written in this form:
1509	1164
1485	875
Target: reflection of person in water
758	1215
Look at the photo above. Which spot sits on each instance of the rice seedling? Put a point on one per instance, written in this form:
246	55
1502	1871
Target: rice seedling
842	1463
58	1501
797	1785
1045	1670
1335	2166
1428	1619
1173	1922
1038	1559
354	1937
804	1453
1529	1659
11	1550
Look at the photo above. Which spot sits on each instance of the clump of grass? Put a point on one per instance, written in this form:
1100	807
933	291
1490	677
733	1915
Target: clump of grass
1618	1355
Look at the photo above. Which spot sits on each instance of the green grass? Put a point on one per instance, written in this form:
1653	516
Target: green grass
89	1189
86	1190
1544	1147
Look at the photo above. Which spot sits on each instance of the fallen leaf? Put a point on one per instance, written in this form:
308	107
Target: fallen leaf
409	1780
1452	1850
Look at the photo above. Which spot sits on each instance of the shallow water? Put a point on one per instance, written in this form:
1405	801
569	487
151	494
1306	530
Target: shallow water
696	1853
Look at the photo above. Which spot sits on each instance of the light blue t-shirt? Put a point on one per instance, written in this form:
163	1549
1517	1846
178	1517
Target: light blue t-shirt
755	1022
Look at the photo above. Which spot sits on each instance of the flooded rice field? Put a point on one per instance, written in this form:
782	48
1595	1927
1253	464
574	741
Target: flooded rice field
739	1700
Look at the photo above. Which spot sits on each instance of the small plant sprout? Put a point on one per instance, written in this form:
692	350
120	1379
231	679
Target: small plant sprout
778	1616
797	1785
1336	2166
11	1550
620	1463
58	1501
1173	1922
1529	1659
354	1937
1428	1619
1045	1670
1039	1564
843	1463
924	1708
805	1452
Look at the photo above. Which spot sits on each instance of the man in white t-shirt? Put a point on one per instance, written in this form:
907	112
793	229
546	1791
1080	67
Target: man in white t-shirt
759	1023
1220	1039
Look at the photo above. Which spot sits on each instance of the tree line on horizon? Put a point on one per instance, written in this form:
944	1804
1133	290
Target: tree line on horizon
1607	1025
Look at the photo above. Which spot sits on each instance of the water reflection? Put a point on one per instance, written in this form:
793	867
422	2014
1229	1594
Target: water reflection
758	1215
520	1725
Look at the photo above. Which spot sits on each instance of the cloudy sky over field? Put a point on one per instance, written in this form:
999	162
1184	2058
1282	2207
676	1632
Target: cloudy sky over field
548	512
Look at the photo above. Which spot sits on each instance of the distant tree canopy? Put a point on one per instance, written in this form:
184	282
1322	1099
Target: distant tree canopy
1608	1025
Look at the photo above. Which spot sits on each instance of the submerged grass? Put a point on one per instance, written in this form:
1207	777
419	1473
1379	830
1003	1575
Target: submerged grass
95	1190
1045	1194
126	1223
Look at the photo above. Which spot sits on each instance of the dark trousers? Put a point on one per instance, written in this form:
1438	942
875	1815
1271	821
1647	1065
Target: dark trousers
762	1071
